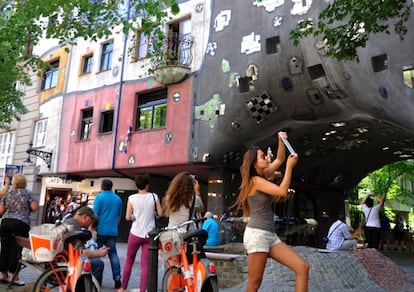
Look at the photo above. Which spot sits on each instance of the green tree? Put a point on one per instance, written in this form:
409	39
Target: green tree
386	181
23	24
346	25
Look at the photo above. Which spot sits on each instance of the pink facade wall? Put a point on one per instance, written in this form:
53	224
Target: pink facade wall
147	147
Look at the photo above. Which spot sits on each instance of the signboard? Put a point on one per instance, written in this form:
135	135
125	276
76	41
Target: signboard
11	170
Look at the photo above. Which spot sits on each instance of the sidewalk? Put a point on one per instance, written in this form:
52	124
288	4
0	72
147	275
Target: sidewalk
365	270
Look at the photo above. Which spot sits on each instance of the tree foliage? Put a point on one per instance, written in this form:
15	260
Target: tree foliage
386	181
346	25
23	24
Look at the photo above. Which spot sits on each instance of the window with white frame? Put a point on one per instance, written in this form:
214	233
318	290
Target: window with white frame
39	136
7	143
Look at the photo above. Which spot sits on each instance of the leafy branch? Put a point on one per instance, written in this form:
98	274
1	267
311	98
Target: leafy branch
346	25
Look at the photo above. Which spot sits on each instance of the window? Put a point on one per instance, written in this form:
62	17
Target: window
107	119
379	63
19	86
87	64
144	46
7	141
273	45
39	137
408	75
106	57
179	42
152	110
50	76
86	126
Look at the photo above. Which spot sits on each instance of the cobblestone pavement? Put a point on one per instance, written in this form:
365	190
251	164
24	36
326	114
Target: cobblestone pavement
364	270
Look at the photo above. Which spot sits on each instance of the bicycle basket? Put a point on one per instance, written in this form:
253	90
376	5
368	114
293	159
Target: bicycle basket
46	241
169	244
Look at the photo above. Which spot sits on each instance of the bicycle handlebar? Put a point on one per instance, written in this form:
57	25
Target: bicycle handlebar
185	223
177	227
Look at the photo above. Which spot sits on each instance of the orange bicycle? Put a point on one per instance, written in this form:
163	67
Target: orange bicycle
73	275
200	275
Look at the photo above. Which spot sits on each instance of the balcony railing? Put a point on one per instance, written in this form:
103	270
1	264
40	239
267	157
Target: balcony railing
179	49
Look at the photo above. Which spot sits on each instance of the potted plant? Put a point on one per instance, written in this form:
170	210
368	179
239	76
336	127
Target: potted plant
170	57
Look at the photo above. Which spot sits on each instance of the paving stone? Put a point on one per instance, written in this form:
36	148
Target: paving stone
365	270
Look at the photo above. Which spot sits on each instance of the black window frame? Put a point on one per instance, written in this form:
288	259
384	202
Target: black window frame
106	122
153	102
87	121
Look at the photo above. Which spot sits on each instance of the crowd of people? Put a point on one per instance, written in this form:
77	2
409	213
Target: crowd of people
182	202
377	231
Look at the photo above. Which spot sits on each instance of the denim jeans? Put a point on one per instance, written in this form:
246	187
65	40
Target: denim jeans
97	265
110	241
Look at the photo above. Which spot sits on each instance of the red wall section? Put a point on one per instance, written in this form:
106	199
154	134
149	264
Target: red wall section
148	147
96	153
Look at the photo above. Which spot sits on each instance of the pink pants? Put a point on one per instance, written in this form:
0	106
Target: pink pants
134	243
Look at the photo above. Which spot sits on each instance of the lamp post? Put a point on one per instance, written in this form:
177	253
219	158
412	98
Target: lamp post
46	156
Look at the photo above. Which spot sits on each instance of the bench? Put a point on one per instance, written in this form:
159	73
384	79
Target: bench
231	268
216	248
222	256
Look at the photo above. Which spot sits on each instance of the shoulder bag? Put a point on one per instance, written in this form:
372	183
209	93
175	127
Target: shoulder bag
325	239
160	220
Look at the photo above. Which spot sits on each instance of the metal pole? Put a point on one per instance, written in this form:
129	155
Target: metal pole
153	262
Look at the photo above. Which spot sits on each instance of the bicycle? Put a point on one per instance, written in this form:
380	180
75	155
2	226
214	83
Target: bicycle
74	274
200	276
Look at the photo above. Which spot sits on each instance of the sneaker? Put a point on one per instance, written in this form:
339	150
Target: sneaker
117	284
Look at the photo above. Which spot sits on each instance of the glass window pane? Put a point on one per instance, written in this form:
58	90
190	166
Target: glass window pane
39	138
7	143
145	118
143	46
160	114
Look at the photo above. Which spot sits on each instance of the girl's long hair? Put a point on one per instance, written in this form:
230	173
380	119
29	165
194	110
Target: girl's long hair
247	172
180	192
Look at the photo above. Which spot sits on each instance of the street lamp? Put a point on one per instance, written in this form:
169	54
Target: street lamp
46	156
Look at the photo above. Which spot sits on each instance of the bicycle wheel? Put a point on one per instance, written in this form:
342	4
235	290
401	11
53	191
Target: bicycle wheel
51	279
87	283
172	281
210	285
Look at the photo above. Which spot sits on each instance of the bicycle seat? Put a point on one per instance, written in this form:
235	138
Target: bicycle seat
201	234
82	235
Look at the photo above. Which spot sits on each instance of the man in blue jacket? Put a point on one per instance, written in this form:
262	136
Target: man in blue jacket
108	207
